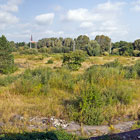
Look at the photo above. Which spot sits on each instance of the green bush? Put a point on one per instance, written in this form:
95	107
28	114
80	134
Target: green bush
73	60
105	53
4	81
29	52
133	71
51	135
39	81
91	106
136	67
114	64
50	61
33	82
43	50
103	87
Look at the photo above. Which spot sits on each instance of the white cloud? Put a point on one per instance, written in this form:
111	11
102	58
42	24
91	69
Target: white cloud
11	6
86	25
52	33
108	6
102	19
136	5
7	18
81	14
45	19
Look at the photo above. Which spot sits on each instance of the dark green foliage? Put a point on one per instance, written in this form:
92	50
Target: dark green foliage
20	44
93	49
50	61
122	48
104	42
52	135
82	42
136	53
73	60
137	44
60	49
6	57
101	45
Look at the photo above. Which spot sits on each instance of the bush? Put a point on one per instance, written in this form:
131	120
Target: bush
114	64
4	81
136	68
73	60
41	80
91	106
133	71
29	52
33	82
102	87
136	53
105	53
43	50
50	135
50	61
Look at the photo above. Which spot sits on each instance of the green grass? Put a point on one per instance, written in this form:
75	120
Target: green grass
52	135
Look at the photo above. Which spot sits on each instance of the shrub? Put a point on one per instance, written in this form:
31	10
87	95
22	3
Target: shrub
114	64
105	53
50	135
91	106
4	81
50	61
29	52
43	50
136	53
33	82
102	87
136	67
73	60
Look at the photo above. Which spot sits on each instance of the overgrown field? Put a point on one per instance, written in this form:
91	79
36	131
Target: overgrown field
104	90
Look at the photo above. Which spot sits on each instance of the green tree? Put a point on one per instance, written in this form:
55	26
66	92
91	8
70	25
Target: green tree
6	57
104	42
82	42
123	48
93	49
137	44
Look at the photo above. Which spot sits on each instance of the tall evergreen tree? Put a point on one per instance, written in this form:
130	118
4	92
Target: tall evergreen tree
6	57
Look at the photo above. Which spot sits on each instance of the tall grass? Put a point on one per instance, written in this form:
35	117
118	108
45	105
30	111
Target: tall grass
87	96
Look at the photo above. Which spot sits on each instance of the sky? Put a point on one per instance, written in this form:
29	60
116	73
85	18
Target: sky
118	19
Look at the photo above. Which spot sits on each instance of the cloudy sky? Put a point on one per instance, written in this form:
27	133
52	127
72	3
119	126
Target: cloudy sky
119	19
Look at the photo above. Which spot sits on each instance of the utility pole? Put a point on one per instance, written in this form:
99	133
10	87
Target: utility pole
74	46
31	42
110	47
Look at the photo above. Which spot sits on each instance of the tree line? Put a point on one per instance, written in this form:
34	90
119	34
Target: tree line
101	45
